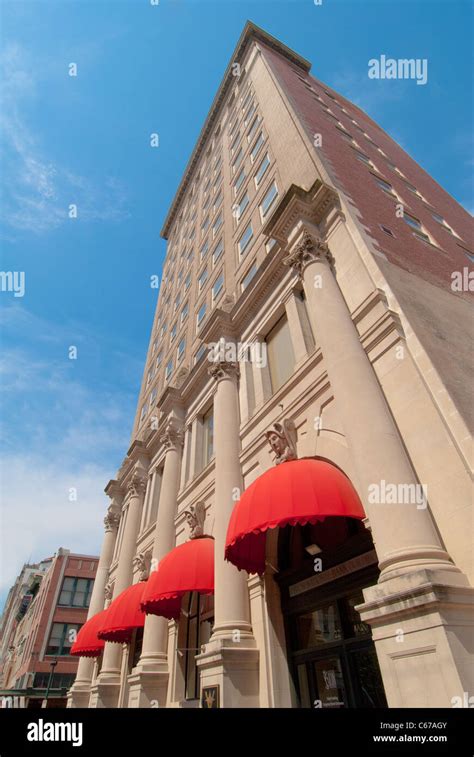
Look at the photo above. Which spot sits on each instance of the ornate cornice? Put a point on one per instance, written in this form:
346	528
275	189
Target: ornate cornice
298	204
308	250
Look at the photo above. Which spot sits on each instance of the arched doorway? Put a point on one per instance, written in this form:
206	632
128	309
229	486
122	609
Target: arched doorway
322	570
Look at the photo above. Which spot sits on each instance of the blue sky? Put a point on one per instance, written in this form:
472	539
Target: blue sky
85	140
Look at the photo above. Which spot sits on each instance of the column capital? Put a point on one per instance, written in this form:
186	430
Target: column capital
309	249
112	518
173	435
137	485
223	369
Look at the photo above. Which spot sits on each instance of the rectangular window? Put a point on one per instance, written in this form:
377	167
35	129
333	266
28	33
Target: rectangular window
239	180
202	279
204	249
217	224
262	169
217	201
143	413
248	276
205	226
201	314
187	282
237	160
268	200
62	637
253	128
218	250
256	148
387	188
247	100
152	398
364	158
235	143
241	206
416	226
169	369
208	441
245	239
159	359
75	592
439	219
250	113
201	351
173	332
218	287
281	358
181	346
177	301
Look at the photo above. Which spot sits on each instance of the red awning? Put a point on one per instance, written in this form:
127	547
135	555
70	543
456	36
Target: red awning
124	615
189	567
296	492
87	643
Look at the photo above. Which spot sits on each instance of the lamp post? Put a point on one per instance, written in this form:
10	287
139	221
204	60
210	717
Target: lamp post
50	680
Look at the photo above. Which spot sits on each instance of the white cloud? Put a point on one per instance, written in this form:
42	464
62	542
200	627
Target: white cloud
38	190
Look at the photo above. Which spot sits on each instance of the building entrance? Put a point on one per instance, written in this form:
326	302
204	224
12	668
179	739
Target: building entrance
331	655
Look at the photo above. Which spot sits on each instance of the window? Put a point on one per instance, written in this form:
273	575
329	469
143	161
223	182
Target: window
177	301
248	276
202	279
218	250
75	592
205	226
253	129
169	369
173	332
159	359
217	224
184	313
245	239
201	351
393	167
439	219
262	169
387	188
387	230
164	328
417	227
364	158
281	358
257	147
201	314
237	160
235	143
239	180
62	637
199	621
187	282
412	188
204	249
218	287
247	100
240	207
143	413
268	200
250	113
208	435
152	398
217	201
181	347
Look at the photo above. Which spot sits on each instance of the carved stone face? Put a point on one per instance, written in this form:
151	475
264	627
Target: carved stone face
191	518
276	443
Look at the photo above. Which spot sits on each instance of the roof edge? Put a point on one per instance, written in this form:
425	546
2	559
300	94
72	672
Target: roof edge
251	33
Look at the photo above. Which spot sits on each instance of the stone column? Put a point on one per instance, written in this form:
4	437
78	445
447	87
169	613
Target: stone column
79	693
106	691
420	610
230	659
149	680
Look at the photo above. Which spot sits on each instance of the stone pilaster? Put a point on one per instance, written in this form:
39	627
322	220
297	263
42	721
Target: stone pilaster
79	693
105	692
230	659
148	682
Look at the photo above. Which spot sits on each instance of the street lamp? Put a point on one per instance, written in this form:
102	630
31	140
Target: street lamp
50	680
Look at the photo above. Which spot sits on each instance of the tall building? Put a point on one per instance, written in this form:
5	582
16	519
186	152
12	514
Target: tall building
43	613
299	495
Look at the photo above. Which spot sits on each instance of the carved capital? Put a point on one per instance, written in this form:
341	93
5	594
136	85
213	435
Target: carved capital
137	485
308	250
112	519
173	435
222	369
